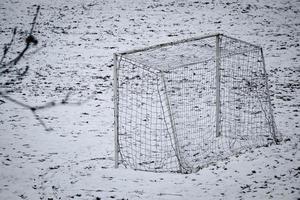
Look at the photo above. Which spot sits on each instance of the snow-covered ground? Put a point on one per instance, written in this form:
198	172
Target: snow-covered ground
76	43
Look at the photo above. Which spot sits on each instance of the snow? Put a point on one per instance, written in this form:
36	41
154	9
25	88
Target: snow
76	43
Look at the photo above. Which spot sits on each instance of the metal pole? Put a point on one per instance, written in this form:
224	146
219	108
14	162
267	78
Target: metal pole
176	144
218	103
272	124
116	110
167	44
242	41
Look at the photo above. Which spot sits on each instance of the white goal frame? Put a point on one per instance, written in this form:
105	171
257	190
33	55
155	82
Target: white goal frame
182	165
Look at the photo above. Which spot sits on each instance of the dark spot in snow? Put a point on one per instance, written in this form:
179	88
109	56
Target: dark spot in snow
54	167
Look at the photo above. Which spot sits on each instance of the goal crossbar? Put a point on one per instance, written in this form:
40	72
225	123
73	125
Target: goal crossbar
152	47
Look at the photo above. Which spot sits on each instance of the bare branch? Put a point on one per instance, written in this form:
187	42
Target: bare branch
7	47
29	40
14	100
34	19
22	73
13	73
20	55
34	109
37	117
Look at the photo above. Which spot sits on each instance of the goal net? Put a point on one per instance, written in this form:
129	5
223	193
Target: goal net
182	105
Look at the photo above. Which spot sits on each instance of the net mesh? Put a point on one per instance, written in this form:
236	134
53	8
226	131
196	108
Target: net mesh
167	104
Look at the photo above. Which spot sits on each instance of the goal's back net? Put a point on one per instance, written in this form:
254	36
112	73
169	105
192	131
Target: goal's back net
182	105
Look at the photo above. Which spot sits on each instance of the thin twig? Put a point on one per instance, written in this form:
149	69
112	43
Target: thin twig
20	74
15	101
9	68
37	117
7	47
51	104
34	19
29	40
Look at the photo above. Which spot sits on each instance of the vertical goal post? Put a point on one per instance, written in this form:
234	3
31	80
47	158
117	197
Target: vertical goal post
116	109
181	105
273	129
218	102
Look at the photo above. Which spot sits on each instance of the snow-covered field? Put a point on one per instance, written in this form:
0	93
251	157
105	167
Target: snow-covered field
74	53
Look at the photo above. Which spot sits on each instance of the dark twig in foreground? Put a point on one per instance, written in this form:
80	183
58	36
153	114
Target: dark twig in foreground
29	40
10	74
7	47
34	109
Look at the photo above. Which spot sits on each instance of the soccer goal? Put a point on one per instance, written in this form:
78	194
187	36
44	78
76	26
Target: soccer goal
182	105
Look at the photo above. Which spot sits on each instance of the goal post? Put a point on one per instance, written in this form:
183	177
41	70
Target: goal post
173	129
272	128
218	76
181	105
116	109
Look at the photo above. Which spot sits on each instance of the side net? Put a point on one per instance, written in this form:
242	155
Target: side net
145	133
167	99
